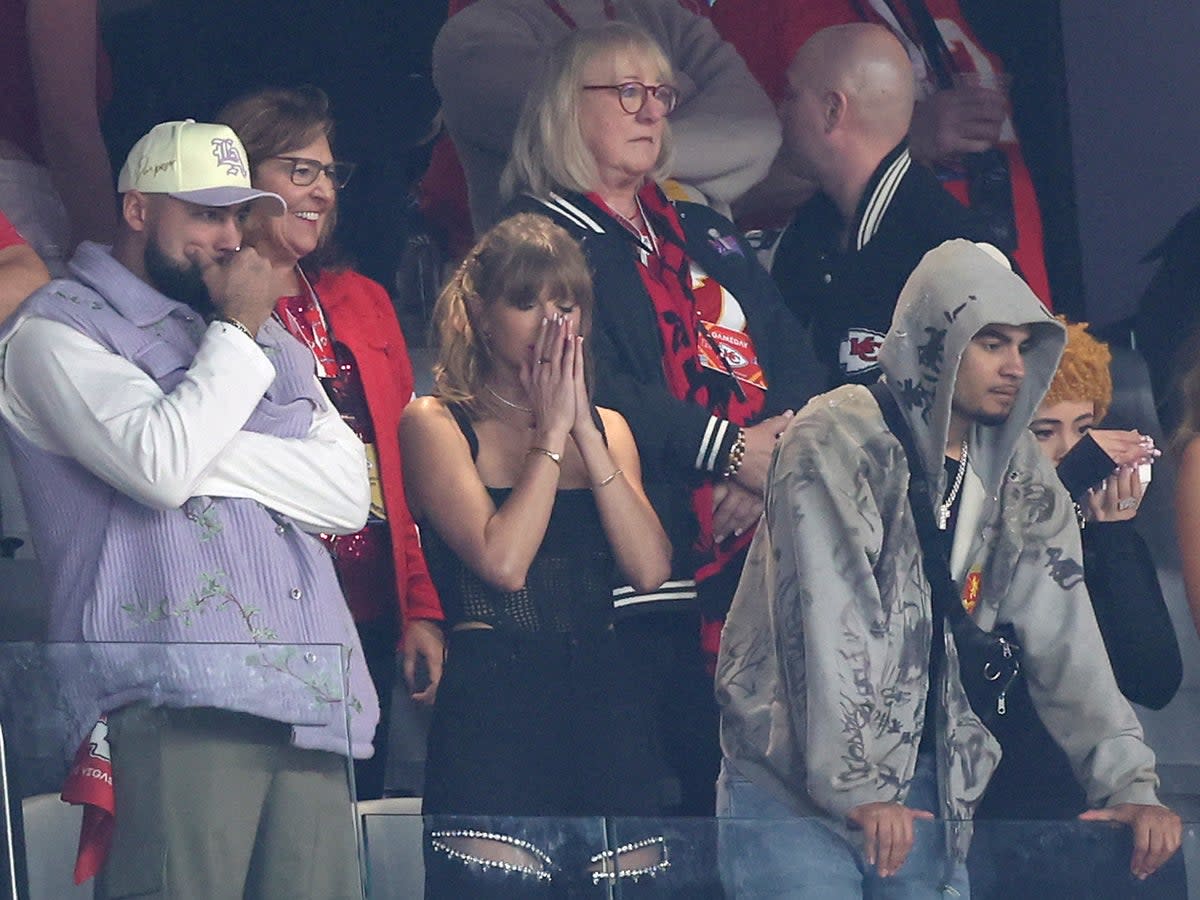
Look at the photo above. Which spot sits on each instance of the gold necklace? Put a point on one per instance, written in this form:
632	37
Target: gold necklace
943	512
507	402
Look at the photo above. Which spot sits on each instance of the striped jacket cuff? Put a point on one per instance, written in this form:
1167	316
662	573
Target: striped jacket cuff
682	591
718	439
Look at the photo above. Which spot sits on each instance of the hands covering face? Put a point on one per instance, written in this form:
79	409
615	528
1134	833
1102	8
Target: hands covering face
554	377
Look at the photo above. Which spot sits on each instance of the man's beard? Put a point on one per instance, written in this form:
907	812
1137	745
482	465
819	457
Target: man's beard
992	419
179	282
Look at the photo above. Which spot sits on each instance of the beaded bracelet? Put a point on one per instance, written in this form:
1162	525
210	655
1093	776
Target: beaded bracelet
737	453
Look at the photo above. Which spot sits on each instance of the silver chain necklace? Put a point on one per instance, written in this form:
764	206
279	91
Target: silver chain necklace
507	402
943	512
636	227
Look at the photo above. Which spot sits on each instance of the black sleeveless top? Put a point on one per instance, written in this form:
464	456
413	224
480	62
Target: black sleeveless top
568	589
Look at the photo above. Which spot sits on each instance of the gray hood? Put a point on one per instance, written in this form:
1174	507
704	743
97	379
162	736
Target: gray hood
957	289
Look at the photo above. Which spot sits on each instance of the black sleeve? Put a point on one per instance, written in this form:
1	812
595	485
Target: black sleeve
671	434
1131	612
794	372
1084	466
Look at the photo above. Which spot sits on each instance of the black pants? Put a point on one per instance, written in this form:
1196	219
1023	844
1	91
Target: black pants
378	638
527	727
534	726
665	649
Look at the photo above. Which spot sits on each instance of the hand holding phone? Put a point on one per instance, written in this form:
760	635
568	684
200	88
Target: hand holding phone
1101	451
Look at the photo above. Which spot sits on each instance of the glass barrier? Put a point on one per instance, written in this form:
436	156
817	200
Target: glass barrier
233	732
187	699
410	856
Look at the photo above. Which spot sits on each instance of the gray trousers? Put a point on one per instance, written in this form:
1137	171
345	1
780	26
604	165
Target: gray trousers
216	805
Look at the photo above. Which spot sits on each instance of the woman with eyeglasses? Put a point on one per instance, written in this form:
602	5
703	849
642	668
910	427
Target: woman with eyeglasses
349	324
693	345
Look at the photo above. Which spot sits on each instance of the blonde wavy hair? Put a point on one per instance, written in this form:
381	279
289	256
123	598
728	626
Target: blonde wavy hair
518	262
548	152
1083	372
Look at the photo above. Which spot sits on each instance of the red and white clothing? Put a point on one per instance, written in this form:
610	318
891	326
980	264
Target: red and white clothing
360	317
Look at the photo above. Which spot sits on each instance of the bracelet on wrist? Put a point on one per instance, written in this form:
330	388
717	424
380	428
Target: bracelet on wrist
610	479
737	453
230	320
555	458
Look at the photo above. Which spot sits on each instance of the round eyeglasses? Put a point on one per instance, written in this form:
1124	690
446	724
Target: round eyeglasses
633	94
306	171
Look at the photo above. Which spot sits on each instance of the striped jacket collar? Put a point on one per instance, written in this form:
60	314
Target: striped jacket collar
587	215
573	210
877	196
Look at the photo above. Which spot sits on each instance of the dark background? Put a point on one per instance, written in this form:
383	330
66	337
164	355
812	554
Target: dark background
1103	97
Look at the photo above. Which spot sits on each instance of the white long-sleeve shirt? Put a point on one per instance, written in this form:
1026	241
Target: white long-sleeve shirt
69	395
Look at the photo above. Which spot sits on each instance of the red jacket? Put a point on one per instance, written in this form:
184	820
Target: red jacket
360	314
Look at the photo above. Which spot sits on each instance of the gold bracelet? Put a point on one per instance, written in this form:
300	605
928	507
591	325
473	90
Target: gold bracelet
555	458
737	453
230	320
610	478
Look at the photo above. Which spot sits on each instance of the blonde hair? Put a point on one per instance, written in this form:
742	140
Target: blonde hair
1083	374
548	151
518	261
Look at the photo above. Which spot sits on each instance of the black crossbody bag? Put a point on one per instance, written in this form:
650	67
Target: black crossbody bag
989	662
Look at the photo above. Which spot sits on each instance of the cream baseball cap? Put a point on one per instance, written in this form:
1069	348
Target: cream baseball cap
193	161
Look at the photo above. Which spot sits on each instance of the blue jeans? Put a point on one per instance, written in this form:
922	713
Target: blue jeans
766	850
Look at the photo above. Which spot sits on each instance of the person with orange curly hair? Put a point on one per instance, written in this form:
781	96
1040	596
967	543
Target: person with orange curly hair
1100	469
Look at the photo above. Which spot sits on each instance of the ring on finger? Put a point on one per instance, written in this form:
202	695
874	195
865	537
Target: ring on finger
543	361
1127	504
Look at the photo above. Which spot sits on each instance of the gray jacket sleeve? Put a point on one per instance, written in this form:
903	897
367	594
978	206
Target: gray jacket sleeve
726	131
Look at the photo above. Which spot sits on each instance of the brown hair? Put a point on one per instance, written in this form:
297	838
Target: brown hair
516	262
272	121
1083	375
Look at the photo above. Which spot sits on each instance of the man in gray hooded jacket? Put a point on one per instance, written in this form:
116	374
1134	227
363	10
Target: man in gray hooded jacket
840	693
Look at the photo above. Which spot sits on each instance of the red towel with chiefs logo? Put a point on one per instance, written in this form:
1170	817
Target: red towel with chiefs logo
90	783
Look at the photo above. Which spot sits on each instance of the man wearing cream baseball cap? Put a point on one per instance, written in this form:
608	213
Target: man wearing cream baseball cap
193	161
178	457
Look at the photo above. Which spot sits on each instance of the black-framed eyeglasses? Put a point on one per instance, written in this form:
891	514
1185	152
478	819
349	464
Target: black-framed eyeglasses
306	171
633	94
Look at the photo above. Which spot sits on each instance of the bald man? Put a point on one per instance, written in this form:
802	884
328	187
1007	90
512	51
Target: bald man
842	260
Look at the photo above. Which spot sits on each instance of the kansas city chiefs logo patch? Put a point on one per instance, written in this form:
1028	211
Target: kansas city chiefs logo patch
859	351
